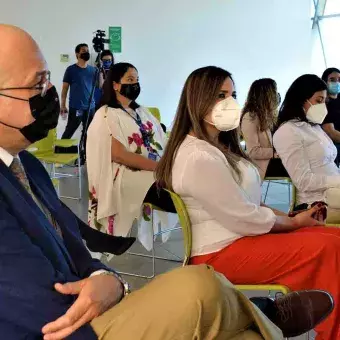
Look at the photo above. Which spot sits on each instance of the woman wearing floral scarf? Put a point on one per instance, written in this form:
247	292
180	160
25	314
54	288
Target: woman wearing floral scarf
124	145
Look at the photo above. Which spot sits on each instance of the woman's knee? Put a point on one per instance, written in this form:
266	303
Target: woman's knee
328	245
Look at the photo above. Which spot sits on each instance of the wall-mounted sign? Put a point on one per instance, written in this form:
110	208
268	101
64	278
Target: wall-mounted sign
64	58
115	36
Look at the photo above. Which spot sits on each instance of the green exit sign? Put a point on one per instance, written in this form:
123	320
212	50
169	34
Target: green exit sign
115	36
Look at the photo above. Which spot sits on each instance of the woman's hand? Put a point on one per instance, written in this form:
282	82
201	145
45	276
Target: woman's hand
311	217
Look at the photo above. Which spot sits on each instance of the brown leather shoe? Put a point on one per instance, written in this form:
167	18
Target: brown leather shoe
299	312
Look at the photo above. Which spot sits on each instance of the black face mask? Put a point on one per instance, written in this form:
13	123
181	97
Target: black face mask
85	56
46	112
130	91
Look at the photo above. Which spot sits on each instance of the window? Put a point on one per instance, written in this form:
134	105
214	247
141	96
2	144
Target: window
332	7
330	29
312	7
326	49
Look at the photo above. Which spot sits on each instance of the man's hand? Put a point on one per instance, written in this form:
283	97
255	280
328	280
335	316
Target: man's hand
96	295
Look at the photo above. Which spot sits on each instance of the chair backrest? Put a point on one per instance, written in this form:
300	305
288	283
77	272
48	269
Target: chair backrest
185	223
44	145
155	112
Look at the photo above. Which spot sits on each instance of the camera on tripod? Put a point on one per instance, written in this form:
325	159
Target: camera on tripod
99	41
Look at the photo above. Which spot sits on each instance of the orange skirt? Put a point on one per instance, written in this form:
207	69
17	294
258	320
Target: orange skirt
308	258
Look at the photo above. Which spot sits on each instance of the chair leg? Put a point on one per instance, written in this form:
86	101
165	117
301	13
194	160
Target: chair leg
79	177
53	170
80	191
153	257
58	190
153	245
265	196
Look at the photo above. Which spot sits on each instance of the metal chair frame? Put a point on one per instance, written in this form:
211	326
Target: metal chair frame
153	256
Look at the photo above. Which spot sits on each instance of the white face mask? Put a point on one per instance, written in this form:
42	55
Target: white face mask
226	115
316	113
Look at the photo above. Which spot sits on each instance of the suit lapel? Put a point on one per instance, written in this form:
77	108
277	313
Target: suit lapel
43	189
33	220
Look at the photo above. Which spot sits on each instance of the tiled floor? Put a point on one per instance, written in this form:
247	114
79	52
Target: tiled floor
277	197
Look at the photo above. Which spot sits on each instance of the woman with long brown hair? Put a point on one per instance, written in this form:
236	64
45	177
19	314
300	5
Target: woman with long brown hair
257	123
247	242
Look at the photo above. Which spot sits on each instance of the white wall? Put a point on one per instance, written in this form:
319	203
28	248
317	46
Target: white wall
166	40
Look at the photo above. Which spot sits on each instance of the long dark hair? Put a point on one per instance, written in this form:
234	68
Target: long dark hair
106	53
262	102
115	74
198	98
302	89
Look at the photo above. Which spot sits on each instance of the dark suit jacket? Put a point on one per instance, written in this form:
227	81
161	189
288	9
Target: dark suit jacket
33	257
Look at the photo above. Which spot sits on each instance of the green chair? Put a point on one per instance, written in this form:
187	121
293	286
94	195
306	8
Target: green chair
155	112
185	224
273	290
43	146
44	151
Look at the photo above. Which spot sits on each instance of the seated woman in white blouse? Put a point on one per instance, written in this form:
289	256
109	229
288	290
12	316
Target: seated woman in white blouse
247	242
306	151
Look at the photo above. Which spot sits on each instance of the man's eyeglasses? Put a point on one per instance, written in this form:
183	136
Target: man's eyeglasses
41	86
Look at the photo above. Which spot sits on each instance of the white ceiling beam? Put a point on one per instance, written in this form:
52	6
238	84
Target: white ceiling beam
320	6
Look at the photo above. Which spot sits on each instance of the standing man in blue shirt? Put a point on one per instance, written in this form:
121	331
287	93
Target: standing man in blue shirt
79	78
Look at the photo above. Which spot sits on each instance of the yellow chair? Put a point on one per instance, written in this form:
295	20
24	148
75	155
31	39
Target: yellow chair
291	199
44	151
185	223
43	146
187	239
55	182
155	112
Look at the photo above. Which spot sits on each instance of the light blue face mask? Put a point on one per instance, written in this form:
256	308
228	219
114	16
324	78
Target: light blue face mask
334	88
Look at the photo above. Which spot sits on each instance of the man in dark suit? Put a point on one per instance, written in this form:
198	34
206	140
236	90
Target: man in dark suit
51	288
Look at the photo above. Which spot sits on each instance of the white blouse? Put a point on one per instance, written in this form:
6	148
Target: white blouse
220	209
308	154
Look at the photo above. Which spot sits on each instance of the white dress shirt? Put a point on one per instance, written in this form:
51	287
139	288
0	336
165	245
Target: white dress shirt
6	157
220	209
308	155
